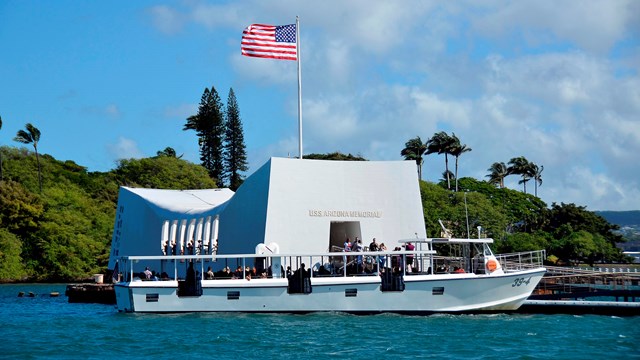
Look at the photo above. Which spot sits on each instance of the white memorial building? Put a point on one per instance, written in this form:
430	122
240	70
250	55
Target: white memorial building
303	206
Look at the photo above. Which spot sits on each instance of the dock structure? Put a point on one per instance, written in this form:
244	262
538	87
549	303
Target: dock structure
562	283
91	293
580	291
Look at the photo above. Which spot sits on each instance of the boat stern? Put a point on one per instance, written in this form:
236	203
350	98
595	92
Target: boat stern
124	301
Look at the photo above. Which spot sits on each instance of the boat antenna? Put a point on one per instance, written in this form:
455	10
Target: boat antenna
466	212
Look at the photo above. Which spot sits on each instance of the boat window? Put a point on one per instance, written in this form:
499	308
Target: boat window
437	290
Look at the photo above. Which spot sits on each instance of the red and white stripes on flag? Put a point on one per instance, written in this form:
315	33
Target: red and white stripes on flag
270	41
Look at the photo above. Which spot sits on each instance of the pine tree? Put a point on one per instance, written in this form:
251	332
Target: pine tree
235	154
209	125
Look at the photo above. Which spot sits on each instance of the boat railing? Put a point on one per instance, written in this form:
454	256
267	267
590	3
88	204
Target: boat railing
174	267
522	260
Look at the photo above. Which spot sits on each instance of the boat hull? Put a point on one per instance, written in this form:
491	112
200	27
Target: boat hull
423	294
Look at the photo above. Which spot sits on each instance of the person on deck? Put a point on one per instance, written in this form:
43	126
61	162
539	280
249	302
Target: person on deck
410	247
347	245
358	248
373	246
382	259
147	273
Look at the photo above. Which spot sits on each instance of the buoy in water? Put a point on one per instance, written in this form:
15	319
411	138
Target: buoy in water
54	294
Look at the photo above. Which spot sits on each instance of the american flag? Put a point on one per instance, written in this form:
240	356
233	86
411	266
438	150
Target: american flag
269	41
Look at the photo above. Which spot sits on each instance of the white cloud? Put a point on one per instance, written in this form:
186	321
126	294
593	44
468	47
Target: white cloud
592	25
337	62
516	78
113	110
124	149
212	16
601	191
181	111
331	120
578	108
166	19
266	71
374	26
456	113
559	78
285	147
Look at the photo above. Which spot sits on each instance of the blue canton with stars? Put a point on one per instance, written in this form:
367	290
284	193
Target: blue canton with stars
286	33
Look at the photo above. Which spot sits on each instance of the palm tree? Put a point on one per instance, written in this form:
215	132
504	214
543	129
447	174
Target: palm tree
447	175
497	172
458	149
536	175
413	150
169	152
441	143
521	166
31	136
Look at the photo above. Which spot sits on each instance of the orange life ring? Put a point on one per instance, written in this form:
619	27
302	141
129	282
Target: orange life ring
492	265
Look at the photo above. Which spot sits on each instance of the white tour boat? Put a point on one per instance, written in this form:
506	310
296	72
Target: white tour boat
291	212
475	280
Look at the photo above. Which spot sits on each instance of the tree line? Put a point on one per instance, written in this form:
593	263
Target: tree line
517	166
442	143
516	220
56	224
220	139
63	233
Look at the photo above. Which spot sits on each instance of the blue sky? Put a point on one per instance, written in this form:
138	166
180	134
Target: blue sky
555	81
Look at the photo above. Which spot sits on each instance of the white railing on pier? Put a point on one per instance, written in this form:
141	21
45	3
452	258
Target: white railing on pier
522	260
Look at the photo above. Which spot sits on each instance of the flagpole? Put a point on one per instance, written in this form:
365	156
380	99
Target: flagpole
299	88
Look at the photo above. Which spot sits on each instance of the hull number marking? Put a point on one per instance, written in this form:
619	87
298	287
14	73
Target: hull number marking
521	281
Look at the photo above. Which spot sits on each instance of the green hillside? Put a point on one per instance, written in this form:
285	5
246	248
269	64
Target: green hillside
64	232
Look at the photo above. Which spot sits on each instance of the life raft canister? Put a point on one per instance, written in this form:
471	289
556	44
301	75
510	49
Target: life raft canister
492	265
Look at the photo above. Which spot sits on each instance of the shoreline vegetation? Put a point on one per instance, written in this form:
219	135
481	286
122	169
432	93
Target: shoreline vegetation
63	232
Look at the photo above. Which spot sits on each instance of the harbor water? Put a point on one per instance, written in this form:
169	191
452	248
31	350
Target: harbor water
43	326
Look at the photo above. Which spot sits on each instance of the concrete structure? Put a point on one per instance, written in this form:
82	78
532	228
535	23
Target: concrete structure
303	206
146	219
306	206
